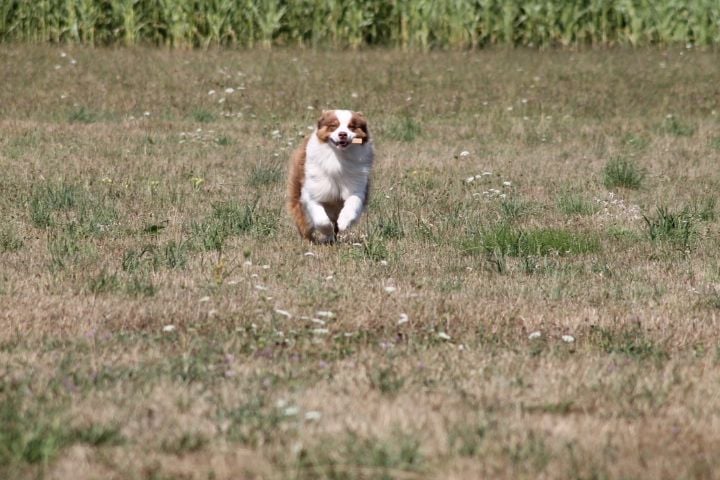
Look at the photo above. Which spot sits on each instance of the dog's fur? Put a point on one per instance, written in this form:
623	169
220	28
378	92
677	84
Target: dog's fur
328	184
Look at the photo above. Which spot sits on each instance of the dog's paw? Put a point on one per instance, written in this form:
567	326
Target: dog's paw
325	233
344	223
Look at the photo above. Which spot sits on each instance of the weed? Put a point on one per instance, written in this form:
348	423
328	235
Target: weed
223	141
373	248
635	142
704	209
357	458
140	285
673	126
186	443
262	175
103	283
389	226
621	172
385	379
230	219
9	241
678	227
254	422
467	438
34	436
66	248
506	240
81	115
715	143
173	254
513	208
48	198
575	204
404	129
203	116
531	454
89	215
626	341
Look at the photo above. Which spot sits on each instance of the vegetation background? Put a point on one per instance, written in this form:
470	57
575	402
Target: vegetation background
534	291
419	24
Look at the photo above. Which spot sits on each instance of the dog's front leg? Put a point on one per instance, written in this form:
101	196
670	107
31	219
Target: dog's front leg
320	220
350	213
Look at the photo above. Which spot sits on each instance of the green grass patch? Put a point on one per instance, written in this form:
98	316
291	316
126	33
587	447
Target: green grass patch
635	142
203	116
262	175
575	204
356	457
666	225
81	115
403	129
51	203
232	219
373	248
68	247
676	127
503	239
631	342
36	436
514	208
715	143
622	172
388	225
9	240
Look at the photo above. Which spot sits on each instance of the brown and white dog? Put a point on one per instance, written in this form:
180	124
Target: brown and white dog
329	176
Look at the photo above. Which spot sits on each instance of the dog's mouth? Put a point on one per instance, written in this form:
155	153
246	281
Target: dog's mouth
342	143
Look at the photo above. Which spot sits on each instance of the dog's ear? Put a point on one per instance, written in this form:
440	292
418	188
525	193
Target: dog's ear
360	114
323	117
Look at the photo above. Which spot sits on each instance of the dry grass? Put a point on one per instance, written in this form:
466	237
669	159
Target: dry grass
118	224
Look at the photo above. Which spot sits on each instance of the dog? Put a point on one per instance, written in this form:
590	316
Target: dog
329	176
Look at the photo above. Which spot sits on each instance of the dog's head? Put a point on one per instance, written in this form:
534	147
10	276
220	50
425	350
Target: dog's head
342	128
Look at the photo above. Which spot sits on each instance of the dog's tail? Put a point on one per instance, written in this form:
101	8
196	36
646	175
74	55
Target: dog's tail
295	184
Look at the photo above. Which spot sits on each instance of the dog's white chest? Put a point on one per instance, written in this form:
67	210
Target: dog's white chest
328	177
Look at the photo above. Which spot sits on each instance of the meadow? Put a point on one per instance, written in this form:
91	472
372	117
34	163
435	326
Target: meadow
533	293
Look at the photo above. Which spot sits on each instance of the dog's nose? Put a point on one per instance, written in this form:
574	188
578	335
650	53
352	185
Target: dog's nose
342	135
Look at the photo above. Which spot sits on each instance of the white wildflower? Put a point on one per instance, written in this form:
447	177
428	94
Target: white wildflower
291	411
168	328
443	336
568	338
403	319
313	415
535	335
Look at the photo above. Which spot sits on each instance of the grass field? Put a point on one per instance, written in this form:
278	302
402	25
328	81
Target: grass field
534	292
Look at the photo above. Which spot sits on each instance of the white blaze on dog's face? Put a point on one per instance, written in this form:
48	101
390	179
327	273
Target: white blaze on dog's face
342	128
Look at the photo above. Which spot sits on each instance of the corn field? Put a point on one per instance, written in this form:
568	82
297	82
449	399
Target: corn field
417	24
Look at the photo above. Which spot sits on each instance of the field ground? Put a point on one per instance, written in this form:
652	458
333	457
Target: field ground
160	318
